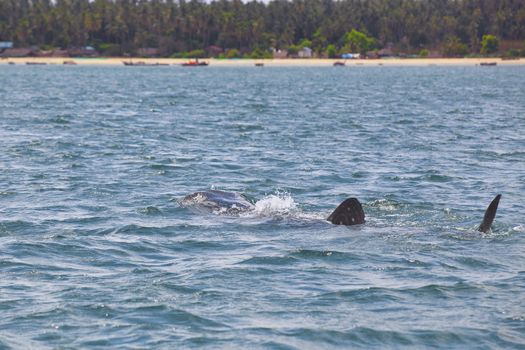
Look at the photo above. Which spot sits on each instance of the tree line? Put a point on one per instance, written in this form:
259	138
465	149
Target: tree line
119	27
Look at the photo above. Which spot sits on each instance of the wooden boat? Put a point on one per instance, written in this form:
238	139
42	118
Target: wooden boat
194	63
70	63
259	65
36	63
339	64
488	64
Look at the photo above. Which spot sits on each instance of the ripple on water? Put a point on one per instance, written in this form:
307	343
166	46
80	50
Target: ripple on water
308	254
270	260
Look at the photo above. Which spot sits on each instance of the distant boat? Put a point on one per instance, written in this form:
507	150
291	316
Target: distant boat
70	63
194	63
36	63
130	63
488	64
339	64
259	64
12	63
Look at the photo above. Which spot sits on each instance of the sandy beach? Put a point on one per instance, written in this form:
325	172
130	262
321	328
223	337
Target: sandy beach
269	62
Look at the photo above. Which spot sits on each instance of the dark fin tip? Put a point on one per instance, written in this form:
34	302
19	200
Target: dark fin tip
349	212
490	214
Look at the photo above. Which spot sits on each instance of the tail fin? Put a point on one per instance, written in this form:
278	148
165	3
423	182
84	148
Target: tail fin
350	212
490	214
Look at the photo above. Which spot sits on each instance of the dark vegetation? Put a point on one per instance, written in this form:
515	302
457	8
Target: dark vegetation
232	28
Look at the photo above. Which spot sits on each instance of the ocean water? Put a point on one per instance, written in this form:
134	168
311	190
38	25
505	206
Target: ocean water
97	252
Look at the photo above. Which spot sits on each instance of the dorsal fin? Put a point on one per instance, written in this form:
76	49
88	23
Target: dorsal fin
490	214
350	212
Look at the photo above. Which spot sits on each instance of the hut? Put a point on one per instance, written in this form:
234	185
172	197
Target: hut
20	52
86	51
372	54
60	53
5	45
305	52
386	52
277	53
44	53
214	50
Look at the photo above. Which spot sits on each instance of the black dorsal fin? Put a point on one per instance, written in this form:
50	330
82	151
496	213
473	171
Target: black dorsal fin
350	212
490	214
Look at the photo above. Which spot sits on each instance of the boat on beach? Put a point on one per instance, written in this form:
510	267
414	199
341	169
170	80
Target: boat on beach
194	63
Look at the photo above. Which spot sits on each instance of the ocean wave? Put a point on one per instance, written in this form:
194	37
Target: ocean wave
269	260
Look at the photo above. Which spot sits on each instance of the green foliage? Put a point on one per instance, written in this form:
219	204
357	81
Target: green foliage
359	42
259	54
453	47
513	53
423	53
305	43
318	42
108	49
199	53
489	44
233	53
124	26
331	51
294	49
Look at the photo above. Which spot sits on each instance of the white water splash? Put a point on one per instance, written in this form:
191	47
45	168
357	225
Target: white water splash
280	203
519	228
384	204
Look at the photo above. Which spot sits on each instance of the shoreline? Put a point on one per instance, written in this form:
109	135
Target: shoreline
290	62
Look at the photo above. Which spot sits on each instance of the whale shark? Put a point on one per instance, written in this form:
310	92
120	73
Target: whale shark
349	212
490	214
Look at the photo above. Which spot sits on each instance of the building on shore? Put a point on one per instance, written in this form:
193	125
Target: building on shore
18	52
86	51
214	50
6	45
305	52
278	53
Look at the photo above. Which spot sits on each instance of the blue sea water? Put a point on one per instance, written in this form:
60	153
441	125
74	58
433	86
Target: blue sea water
96	252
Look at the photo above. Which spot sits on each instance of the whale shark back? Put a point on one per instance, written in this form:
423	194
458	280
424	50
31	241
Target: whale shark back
220	202
350	212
